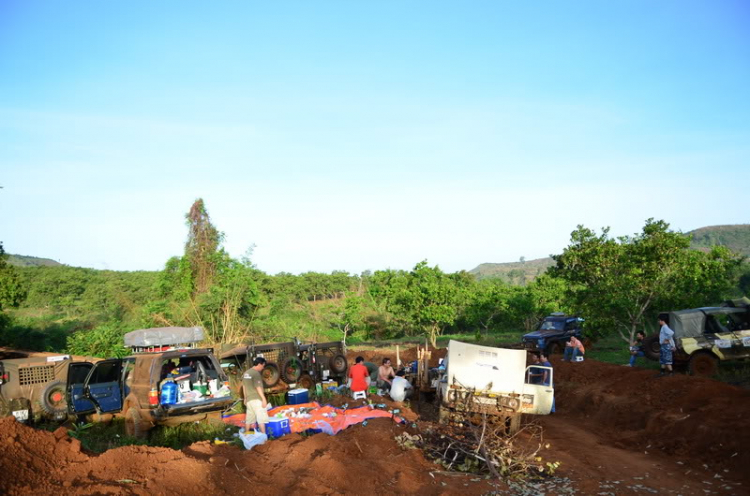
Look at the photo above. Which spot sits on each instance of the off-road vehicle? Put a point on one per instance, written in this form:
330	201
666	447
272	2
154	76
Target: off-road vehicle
706	336
289	363
33	388
492	381
553	333
131	387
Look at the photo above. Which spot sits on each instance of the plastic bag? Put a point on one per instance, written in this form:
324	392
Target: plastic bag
254	439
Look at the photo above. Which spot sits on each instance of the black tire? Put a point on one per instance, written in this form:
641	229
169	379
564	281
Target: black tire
291	370
703	364
134	424
651	347
271	374
338	364
52	399
306	382
553	348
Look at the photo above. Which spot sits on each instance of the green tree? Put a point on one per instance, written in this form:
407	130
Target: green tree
618	284
350	316
12	291
431	300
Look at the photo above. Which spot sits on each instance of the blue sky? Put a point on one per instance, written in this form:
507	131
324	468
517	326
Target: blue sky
366	135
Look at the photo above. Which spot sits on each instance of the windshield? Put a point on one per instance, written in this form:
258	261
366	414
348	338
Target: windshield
549	325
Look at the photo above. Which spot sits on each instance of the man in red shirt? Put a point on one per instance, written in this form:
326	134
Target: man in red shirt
359	375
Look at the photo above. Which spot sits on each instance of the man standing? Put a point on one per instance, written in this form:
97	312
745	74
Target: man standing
385	374
255	397
547	375
359	378
667	346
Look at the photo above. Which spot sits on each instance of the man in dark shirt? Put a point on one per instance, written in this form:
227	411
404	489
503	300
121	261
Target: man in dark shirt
255	398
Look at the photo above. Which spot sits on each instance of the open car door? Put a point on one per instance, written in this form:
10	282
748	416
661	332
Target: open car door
78	403
103	386
538	392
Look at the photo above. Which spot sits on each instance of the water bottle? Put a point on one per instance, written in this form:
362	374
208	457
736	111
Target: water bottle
169	393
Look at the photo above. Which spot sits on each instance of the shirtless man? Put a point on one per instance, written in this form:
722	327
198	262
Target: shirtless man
385	374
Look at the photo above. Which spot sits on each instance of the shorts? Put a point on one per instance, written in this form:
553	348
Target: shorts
255	412
665	354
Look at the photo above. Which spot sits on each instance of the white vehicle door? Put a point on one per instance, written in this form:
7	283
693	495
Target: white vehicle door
538	390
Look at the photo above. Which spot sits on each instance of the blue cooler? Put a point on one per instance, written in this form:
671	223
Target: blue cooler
277	427
298	396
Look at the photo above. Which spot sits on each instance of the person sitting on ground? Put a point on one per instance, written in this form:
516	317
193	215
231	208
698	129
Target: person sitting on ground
400	387
573	348
255	398
385	374
636	348
359	379
547	375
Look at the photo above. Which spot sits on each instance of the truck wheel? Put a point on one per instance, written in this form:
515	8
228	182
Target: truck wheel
53	401
553	348
271	374
651	347
703	364
338	364
291	370
134	425
306	382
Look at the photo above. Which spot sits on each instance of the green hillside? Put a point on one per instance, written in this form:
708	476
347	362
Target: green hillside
735	237
27	261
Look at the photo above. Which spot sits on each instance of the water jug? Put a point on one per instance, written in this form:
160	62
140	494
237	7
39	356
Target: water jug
169	393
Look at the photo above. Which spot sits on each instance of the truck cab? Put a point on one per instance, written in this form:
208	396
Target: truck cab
553	333
494	381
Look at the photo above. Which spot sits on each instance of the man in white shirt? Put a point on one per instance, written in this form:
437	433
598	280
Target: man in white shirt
667	346
400	387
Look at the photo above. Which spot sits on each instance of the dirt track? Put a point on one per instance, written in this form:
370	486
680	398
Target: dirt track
617	431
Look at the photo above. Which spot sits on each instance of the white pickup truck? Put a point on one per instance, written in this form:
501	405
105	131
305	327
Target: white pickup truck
494	381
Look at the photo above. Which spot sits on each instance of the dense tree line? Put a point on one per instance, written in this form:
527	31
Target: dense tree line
617	284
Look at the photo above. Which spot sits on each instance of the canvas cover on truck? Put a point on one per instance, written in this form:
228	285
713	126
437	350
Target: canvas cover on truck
484	368
163	336
692	323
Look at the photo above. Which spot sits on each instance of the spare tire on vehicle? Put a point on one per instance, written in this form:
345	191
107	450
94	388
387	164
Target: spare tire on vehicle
53	400
338	364
291	370
271	374
703	364
651	347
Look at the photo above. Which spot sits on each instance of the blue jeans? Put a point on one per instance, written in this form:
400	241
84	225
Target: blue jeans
570	353
633	357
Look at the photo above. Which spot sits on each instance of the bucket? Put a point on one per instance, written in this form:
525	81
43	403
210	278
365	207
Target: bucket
201	387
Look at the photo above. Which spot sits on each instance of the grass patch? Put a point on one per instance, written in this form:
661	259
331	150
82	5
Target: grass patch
99	437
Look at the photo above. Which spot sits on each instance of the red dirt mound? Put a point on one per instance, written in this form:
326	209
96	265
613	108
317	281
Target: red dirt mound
690	418
407	355
361	459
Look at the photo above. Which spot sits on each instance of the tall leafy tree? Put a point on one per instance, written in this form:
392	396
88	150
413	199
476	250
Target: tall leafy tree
202	246
618	284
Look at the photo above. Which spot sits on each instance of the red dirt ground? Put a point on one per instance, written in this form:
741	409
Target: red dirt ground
617	430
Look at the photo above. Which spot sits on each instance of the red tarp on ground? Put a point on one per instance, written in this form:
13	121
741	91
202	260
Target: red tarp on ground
320	417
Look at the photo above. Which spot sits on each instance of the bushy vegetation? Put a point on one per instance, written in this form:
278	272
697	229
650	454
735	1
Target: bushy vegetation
617	284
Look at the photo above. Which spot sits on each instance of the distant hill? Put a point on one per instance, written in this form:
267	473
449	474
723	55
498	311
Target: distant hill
26	261
735	237
513	272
